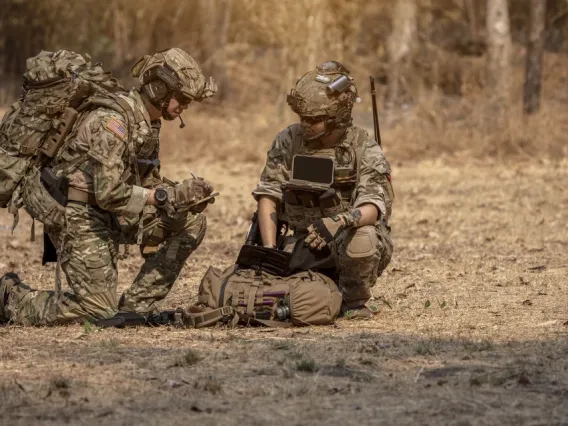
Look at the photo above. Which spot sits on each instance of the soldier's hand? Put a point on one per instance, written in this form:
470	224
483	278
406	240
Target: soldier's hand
189	192
323	231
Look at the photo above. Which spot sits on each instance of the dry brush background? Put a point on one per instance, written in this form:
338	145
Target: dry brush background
471	324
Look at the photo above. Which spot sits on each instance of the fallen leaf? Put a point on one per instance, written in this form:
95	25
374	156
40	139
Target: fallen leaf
535	249
536	268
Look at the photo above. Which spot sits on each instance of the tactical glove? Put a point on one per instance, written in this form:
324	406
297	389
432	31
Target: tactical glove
189	192
323	231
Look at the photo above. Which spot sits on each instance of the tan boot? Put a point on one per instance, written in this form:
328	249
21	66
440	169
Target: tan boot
357	313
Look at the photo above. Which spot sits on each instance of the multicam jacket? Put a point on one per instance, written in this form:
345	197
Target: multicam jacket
101	139
362	173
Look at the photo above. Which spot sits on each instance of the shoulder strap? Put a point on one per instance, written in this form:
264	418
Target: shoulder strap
359	152
207	318
269	323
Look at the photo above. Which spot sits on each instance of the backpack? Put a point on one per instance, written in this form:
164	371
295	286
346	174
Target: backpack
255	297
57	87
260	289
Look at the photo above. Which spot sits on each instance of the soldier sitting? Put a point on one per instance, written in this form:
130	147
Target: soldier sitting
117	175
350	229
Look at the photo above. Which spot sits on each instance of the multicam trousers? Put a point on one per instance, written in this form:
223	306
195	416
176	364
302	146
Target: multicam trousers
360	256
89	261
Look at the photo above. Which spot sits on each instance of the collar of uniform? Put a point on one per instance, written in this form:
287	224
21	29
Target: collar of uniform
140	111
349	136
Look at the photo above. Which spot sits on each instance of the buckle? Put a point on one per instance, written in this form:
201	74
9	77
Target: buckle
226	311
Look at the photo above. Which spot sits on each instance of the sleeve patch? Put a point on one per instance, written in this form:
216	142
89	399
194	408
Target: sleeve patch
116	127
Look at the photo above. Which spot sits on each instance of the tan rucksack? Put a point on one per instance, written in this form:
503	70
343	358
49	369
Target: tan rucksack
57	87
256	297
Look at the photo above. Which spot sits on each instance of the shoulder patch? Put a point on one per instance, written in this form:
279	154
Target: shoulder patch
116	127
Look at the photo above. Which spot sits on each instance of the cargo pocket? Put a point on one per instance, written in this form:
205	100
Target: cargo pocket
102	274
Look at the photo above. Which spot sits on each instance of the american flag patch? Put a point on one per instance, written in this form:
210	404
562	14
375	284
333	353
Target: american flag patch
116	127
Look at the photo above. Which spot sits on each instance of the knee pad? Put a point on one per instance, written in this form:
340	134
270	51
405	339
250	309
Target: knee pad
362	242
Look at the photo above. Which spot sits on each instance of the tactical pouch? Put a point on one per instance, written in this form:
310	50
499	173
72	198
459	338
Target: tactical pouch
295	216
39	203
12	170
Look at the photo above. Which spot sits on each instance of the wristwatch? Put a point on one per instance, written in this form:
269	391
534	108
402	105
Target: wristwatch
161	196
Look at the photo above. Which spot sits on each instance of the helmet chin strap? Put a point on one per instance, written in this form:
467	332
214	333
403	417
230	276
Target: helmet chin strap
329	127
319	135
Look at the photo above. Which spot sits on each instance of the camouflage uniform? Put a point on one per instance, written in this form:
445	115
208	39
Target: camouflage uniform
113	201
362	176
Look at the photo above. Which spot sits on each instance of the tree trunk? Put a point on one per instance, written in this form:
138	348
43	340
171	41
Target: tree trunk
472	13
400	46
535	50
498	53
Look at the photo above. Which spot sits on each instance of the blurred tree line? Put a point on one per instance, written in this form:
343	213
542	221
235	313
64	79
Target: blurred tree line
257	48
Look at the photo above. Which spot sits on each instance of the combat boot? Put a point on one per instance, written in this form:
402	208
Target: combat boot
8	281
359	312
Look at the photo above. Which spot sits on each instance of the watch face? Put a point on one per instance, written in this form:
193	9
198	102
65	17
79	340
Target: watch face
161	195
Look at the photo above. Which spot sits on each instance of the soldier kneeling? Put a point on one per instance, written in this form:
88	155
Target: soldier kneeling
110	162
350	230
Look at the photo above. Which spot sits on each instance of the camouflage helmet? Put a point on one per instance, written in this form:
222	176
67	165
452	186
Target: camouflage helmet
328	91
172	71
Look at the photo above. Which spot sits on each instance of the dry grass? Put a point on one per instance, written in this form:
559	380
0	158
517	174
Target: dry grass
471	322
470	325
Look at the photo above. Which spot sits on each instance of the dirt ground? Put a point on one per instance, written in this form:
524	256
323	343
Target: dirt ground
471	325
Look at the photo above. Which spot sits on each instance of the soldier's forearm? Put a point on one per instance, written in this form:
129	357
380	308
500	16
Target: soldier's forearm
365	214
267	220
369	214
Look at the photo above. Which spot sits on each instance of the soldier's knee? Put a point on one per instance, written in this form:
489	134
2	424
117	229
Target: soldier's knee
195	228
100	305
361	243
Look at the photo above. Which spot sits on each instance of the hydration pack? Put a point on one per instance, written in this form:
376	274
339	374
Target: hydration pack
57	87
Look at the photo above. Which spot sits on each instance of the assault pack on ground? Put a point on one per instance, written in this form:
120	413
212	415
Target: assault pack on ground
259	289
57	88
265	286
